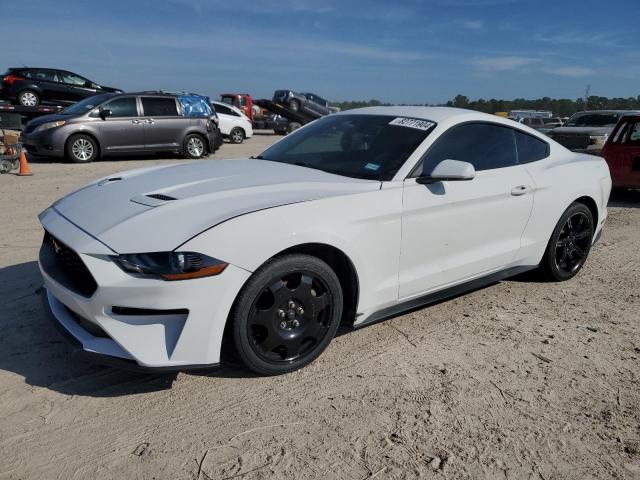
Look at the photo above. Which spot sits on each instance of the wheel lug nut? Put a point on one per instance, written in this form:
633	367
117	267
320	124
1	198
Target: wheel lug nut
296	323
300	311
283	324
281	313
292	304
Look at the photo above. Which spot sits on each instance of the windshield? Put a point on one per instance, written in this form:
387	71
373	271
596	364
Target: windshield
87	104
593	120
359	146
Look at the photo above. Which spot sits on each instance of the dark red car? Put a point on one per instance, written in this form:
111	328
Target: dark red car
622	152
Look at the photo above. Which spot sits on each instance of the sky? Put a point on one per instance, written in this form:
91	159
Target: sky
403	51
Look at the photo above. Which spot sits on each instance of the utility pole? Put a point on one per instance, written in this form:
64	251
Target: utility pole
586	96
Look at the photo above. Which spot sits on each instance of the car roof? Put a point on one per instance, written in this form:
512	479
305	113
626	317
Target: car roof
232	107
607	112
435	114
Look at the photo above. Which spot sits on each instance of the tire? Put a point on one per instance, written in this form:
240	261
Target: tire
292	127
28	98
280	323
82	149
294	105
236	135
570	244
280	131
194	146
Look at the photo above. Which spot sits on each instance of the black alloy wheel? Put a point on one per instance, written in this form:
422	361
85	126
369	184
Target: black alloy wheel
570	243
287	314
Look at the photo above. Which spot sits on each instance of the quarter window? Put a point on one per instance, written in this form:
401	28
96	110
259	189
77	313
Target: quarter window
486	146
530	148
159	107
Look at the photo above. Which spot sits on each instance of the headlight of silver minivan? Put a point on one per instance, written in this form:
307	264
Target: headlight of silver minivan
48	125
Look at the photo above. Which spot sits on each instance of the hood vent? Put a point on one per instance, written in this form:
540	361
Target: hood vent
160	196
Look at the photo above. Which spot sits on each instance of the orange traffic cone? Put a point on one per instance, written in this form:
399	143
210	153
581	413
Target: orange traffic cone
25	171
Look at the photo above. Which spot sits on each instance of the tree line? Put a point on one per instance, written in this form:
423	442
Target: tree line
562	107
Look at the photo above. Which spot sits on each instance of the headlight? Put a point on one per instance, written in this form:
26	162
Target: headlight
48	125
170	265
598	139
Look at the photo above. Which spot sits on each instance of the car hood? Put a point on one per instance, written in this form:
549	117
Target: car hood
110	89
583	130
159	208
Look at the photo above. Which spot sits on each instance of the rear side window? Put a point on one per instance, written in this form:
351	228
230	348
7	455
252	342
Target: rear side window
159	107
486	146
41	75
222	109
122	107
530	148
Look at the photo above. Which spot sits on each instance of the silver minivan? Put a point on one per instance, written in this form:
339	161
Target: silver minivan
126	123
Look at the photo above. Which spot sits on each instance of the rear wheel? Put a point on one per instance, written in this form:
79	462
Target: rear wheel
236	135
82	149
28	98
294	105
570	243
194	146
286	314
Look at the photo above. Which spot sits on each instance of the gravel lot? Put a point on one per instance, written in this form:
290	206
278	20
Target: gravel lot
519	380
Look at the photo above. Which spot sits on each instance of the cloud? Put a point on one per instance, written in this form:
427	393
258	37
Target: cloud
504	63
571	71
579	38
476	25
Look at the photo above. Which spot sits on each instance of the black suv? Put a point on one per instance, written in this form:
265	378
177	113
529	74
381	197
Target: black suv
309	103
31	86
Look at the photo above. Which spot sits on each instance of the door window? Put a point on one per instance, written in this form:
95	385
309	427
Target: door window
159	107
72	79
122	107
224	110
530	148
486	146
47	75
634	134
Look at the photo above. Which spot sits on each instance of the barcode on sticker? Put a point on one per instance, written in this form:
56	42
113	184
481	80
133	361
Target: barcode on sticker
412	123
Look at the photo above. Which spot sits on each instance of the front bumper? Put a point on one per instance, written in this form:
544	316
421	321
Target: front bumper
47	143
139	322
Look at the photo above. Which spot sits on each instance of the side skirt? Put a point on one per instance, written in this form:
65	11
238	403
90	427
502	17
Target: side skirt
449	292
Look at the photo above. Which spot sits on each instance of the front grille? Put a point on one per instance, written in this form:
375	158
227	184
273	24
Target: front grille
571	140
66	267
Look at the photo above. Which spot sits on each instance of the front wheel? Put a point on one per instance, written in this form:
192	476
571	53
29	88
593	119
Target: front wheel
286	314
194	146
569	244
82	149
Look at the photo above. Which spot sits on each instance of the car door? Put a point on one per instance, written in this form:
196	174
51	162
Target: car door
623	154
47	81
454	231
323	105
164	125
122	130
75	87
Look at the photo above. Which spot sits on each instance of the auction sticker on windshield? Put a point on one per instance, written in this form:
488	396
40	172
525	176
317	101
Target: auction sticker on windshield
412	123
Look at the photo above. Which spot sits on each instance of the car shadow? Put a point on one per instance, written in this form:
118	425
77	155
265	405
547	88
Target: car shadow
32	348
37	159
624	198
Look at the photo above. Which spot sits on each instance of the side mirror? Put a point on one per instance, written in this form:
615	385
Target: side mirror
449	170
104	113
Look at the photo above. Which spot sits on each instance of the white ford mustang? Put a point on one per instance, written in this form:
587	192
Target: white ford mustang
354	218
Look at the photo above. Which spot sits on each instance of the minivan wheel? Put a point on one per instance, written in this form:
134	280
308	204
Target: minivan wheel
286	314
28	98
194	146
82	149
236	135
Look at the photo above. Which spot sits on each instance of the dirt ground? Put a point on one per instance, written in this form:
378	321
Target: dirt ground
520	380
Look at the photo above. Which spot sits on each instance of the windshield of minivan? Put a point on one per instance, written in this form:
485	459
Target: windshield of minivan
593	120
360	146
87	104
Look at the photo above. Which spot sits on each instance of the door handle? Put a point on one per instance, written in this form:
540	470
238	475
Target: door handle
520	190
135	121
149	120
